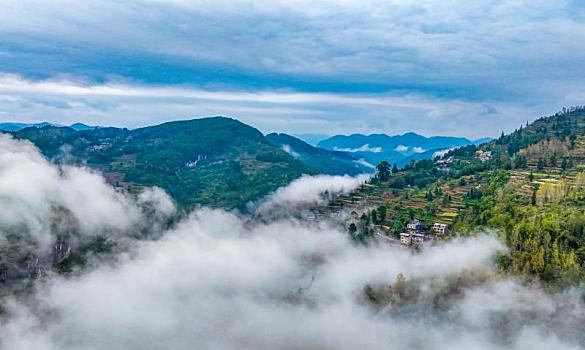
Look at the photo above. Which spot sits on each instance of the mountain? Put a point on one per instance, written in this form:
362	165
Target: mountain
482	140
81	126
20	126
312	139
218	161
399	149
325	161
527	186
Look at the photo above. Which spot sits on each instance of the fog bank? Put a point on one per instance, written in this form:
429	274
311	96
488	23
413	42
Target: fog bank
223	281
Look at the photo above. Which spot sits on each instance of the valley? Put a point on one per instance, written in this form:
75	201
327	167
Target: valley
514	204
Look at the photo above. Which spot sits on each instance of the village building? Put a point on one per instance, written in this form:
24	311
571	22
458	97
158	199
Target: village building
484	156
444	168
414	226
405	239
444	165
440	229
418	238
449	160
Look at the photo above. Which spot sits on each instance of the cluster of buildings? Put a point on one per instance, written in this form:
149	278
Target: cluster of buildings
415	234
444	165
484	156
103	145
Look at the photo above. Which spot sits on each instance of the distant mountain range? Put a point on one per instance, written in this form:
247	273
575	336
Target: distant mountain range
312	139
20	126
399	149
324	161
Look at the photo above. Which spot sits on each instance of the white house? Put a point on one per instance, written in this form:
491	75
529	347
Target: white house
414	226
440	229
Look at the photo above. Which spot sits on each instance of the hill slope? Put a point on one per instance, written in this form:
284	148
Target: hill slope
530	191
217	161
325	161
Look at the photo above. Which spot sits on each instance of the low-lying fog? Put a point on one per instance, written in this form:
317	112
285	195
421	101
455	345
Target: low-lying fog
218	280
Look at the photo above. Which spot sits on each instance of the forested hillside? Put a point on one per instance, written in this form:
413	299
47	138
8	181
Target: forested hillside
218	162
528	186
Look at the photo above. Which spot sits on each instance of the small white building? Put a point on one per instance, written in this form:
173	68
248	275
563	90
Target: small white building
414	226
440	229
484	156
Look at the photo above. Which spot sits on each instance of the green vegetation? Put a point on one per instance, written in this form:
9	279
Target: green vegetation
528	186
216	162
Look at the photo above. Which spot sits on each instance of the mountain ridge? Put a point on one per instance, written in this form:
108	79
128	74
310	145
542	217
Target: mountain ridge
214	161
399	149
325	161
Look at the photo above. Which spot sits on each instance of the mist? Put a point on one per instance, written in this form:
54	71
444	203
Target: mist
307	190
223	280
35	195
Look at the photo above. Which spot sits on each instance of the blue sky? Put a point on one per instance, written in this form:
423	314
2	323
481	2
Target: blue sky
452	67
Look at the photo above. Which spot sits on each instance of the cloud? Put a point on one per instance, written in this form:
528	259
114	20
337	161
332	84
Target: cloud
308	190
363	148
288	149
401	148
441	153
404	149
451	68
220	281
365	163
136	104
36	195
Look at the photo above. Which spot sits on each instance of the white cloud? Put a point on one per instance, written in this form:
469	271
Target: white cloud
307	190
363	148
223	281
441	153
365	163
401	148
134	105
218	281
288	149
37	197
418	149
445	69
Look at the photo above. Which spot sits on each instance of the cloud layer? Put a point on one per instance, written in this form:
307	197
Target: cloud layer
219	282
223	281
35	195
432	67
307	191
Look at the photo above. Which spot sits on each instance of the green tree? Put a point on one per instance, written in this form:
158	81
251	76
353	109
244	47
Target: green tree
394	168
382	214
383	170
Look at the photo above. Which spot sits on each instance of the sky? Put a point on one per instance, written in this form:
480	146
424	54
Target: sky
454	67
